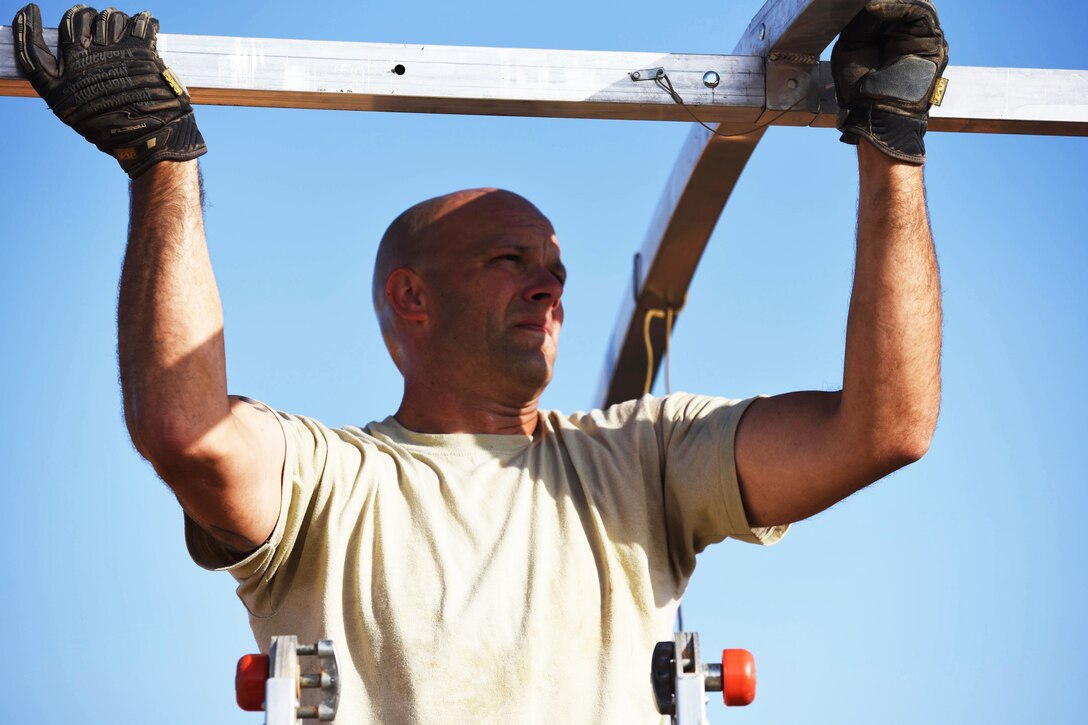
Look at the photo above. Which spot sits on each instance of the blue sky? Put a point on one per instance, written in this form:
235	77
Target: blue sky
953	592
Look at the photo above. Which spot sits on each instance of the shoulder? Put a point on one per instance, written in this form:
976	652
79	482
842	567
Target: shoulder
311	443
648	409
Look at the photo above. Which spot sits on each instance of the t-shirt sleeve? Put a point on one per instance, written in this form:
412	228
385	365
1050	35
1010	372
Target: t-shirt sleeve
702	493
303	495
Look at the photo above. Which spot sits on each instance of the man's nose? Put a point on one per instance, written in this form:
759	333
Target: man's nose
545	286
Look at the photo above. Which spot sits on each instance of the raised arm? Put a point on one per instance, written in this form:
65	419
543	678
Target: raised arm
799	453
222	456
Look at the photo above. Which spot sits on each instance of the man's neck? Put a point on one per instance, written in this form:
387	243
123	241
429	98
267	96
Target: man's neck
437	409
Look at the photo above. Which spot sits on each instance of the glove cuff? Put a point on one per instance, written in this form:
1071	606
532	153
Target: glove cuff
897	136
179	140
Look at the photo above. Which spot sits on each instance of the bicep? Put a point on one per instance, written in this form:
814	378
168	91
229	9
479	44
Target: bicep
795	457
232	487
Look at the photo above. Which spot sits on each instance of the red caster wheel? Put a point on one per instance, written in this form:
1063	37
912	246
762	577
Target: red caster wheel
249	681
738	677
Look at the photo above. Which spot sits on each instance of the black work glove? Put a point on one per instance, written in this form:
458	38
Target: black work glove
886	65
110	85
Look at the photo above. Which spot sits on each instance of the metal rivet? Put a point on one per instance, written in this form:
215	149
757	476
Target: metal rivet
791	83
635	75
711	79
762	32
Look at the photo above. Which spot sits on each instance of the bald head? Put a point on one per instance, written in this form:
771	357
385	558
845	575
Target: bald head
420	236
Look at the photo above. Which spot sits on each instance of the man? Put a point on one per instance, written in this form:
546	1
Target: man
476	558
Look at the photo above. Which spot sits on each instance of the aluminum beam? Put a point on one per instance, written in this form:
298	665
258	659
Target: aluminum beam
444	79
797	27
1008	100
575	84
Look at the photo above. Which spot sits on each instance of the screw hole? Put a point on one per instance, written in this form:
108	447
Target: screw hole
398	69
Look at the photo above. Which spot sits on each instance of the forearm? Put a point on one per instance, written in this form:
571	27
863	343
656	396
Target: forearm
170	321
891	377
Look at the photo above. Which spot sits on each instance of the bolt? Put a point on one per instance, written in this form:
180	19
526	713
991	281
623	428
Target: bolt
792	83
711	79
762	31
635	75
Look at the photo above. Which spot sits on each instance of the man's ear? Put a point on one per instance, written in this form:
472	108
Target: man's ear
404	290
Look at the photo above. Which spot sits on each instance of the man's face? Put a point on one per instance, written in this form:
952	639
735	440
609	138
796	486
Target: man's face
496	280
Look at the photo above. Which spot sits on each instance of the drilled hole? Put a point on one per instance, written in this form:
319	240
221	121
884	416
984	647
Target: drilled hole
398	69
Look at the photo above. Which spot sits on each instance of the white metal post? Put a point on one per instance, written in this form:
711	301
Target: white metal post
281	699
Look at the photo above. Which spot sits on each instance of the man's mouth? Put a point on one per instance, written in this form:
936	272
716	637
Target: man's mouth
538	325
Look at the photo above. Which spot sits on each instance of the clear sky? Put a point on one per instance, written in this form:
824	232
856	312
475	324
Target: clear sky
953	592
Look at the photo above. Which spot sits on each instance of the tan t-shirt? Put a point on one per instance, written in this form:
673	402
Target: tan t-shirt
495	579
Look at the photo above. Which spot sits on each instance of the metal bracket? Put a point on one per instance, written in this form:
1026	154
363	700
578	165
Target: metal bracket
286	681
793	92
681	680
327	678
690	683
647	74
678	676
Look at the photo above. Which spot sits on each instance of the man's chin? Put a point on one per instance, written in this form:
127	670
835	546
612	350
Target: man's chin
530	369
